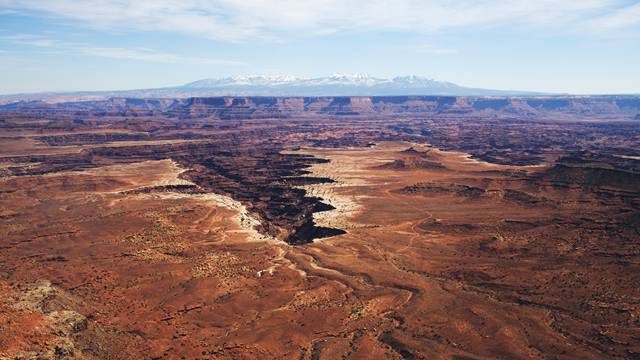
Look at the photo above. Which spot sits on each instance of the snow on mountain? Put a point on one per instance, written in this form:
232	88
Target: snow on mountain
335	79
336	85
257	80
261	85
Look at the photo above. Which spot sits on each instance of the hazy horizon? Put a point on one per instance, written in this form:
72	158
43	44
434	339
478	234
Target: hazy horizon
516	92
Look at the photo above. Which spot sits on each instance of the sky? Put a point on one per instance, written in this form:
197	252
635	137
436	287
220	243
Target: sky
567	46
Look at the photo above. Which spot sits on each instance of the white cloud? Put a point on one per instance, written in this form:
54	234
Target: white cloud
238	20
9	11
434	50
150	55
32	40
619	19
139	54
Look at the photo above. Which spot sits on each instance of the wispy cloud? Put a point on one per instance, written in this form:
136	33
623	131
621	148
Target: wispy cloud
9	11
151	56
238	20
435	50
622	18
32	40
138	54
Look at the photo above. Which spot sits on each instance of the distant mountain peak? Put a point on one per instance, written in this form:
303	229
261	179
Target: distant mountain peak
358	84
358	80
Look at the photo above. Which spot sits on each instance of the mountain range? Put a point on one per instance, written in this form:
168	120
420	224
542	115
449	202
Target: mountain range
334	85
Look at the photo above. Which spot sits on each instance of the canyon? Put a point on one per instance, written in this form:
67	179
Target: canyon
248	227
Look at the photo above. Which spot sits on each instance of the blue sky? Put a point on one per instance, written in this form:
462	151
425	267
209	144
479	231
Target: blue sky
586	46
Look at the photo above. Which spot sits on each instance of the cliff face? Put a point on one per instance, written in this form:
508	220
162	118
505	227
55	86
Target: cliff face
255	107
274	107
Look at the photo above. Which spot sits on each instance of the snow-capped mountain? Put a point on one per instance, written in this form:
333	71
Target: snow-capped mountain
261	80
260	85
257	80
335	79
336	84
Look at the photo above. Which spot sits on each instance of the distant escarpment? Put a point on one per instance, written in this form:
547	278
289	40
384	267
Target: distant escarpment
266	107
286	107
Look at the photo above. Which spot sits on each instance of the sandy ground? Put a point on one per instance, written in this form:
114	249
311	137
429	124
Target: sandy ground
435	275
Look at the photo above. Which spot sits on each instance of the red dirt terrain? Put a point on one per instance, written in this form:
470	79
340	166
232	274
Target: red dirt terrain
321	228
